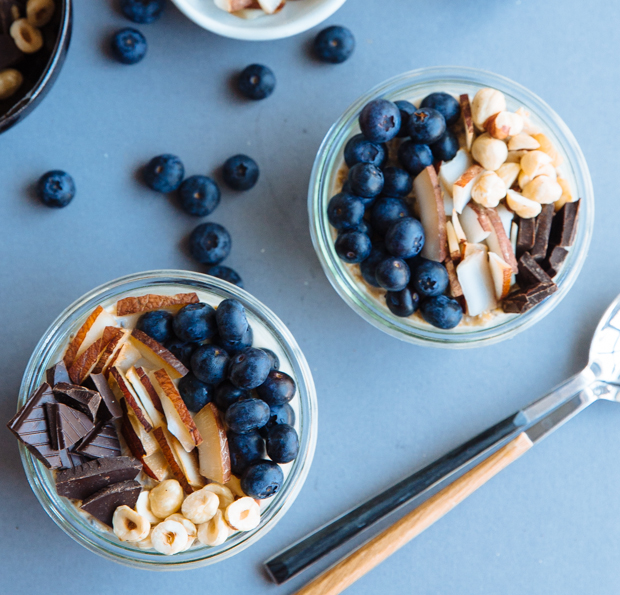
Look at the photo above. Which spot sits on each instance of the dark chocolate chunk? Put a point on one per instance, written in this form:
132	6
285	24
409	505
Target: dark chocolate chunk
526	236
66	425
109	407
86	479
78	397
564	226
530	272
525	299
103	503
70	459
57	374
556	259
543	232
101	442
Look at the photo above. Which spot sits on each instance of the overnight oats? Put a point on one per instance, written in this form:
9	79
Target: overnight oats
452	207
169	419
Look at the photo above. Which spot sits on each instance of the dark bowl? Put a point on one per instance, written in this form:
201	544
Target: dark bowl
41	69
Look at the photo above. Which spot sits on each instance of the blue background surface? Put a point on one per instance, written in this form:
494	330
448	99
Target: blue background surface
548	524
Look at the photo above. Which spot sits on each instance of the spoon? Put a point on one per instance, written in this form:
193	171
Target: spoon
596	381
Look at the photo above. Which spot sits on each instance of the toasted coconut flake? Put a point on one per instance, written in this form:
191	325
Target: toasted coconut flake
164	438
213	453
150	301
157	354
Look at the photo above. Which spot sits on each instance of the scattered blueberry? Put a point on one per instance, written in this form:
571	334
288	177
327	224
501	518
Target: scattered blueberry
240	172
402	303
360	150
380	120
247	415
195	322
210	243
182	351
232	321
334	44
442	312
406	108
392	274
446	147
368	267
426	125
275	360
142	11
157	325
128	45
249	368
164	173
430	278
414	158
199	195
396	182
234	347
226	274
345	211
278	388
209	363
244	449
386	211
282	443
445	104
256	81
262	479
226	394
366	180
56	189
195	393
353	246
405	238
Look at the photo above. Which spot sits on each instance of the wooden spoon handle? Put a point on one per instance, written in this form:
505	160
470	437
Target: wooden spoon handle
350	569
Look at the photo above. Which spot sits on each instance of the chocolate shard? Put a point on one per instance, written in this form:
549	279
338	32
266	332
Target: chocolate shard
57	374
103	503
70	459
523	300
530	272
66	425
101	442
555	260
564	226
30	426
543	233
88	478
79	398
526	236
109	408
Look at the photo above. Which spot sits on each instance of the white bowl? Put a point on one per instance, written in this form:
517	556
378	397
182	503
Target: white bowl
297	16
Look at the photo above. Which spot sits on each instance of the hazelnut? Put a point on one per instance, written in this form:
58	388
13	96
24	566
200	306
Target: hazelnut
522	141
504	124
508	173
10	81
166	498
567	195
489	152
532	161
27	38
39	12
543	190
486	103
488	190
523	207
546	146
515	156
528	126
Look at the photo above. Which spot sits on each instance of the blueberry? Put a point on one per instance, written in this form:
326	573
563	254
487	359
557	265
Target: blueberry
247	415
249	368
406	108
199	196
396	182
430	278
366	180
345	211
445	104
414	158
365	227
380	121
226	394
210	363
386	211
402	303
426	125
182	351
142	11
405	238
195	322
226	274
275	360
278	388
244	449
240	172
282	443
56	189
242	344
279	414
360	150
195	393
442	312
164	173
232	321
256	81
262	479
157	325
353	246
334	44
392	274
210	243
446	147
128	45
369	266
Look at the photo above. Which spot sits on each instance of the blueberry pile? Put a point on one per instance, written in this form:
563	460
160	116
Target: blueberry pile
376	228
243	382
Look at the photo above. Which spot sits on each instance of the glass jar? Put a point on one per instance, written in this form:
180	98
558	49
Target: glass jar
77	524
416	85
